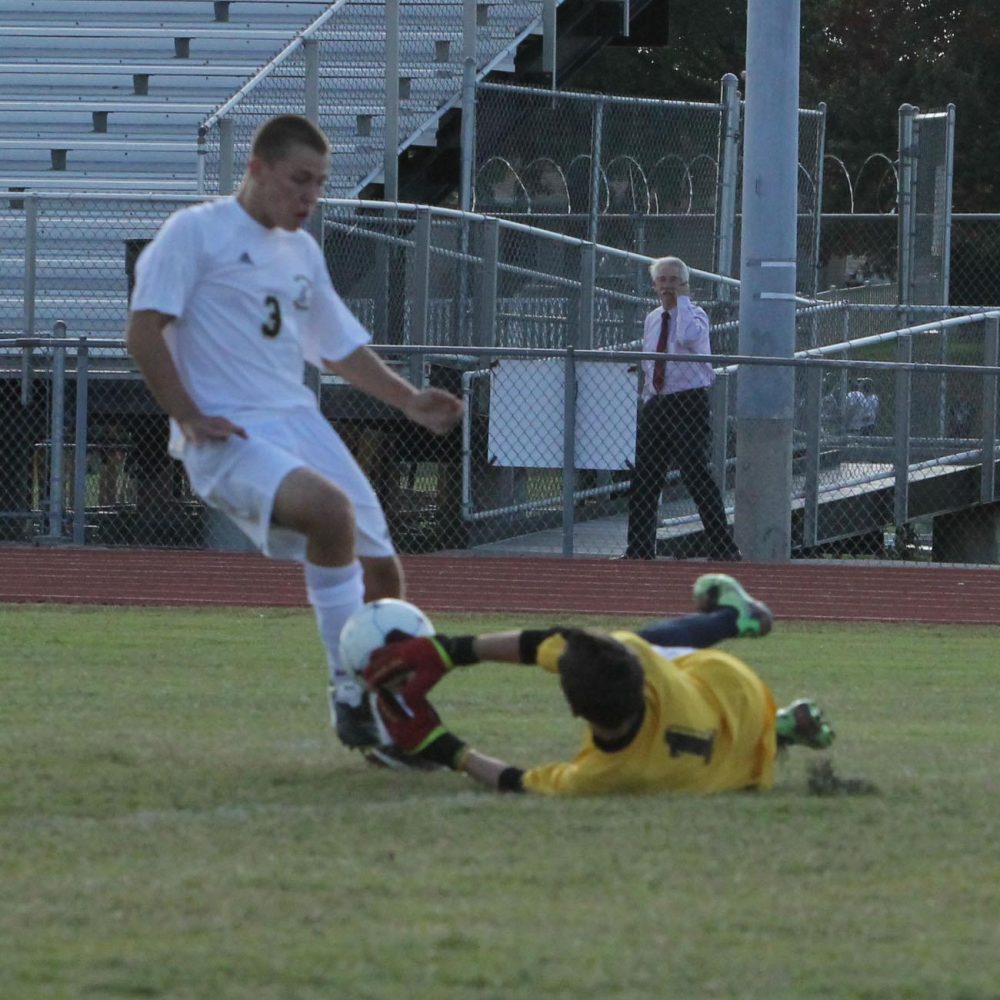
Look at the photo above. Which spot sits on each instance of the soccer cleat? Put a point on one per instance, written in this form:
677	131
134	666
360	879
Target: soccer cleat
358	729
803	724
355	724
717	590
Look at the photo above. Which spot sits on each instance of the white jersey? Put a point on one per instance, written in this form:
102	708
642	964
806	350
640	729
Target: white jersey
688	334
250	304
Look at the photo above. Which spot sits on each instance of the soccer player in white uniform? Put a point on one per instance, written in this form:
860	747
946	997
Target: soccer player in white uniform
231	299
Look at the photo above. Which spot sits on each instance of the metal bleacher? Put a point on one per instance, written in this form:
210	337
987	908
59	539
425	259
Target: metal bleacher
122	72
102	97
86	85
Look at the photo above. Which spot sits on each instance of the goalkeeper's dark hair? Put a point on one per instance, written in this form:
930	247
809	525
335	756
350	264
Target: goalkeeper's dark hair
601	678
275	138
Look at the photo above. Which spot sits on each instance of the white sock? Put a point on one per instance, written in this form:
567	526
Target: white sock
335	593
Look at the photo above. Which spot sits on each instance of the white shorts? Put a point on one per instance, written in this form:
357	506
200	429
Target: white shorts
240	477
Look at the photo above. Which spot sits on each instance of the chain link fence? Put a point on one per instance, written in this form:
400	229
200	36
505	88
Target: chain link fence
488	309
859	258
887	460
645	175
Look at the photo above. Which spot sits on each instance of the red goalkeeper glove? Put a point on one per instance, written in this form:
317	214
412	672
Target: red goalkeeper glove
416	664
410	719
415	727
399	675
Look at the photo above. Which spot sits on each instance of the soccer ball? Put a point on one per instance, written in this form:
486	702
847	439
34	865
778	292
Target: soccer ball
368	628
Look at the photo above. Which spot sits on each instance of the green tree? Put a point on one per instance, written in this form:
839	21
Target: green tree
863	59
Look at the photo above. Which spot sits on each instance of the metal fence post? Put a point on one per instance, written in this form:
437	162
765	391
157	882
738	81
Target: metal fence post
814	406
486	300
80	444
904	379
311	102
720	428
942	421
27	376
949	185
30	260
549	40
421	293
390	155
569	451
588	271
597	141
202	153
469	14
991	353
725	203
468	143
907	223
226	156
466	192
57	433
818	202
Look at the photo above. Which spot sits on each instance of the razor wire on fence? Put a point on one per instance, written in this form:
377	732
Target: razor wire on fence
904	247
650	176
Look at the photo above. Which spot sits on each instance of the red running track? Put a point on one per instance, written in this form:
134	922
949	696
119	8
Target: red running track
836	591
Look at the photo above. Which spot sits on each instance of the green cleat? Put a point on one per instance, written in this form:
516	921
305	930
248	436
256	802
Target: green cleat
717	590
803	724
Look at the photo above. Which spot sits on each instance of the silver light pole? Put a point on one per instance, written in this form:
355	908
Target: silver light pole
765	396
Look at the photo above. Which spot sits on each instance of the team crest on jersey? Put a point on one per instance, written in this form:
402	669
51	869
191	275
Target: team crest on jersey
304	295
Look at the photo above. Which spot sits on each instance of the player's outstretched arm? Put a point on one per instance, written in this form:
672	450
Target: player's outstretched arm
421	661
518	646
491	771
416	728
436	410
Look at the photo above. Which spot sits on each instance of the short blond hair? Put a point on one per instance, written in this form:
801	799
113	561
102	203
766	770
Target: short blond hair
671	261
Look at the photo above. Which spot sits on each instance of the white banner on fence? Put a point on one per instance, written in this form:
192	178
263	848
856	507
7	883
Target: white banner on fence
526	415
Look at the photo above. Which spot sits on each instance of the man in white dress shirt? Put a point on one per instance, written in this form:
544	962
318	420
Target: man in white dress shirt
674	429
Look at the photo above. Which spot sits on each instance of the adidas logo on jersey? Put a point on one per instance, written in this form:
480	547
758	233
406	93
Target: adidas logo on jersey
245	258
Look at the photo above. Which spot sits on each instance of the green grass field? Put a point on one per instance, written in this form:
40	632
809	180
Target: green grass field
179	821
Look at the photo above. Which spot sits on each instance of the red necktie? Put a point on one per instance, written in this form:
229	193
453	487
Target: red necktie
660	367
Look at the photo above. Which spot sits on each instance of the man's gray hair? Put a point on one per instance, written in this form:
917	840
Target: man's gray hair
664	261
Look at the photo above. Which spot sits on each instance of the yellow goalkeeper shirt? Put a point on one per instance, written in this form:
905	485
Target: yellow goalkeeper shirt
708	727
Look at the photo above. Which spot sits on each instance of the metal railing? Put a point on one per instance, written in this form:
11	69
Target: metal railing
373	102
543	460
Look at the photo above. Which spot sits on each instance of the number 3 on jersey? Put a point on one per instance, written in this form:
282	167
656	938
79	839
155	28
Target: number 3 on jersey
273	325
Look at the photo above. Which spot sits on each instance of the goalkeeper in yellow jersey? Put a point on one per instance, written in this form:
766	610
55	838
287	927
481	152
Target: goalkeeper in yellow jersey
664	711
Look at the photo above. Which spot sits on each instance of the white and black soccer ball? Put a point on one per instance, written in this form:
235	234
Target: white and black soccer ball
368	628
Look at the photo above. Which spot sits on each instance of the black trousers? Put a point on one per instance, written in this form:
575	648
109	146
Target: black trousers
674	432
